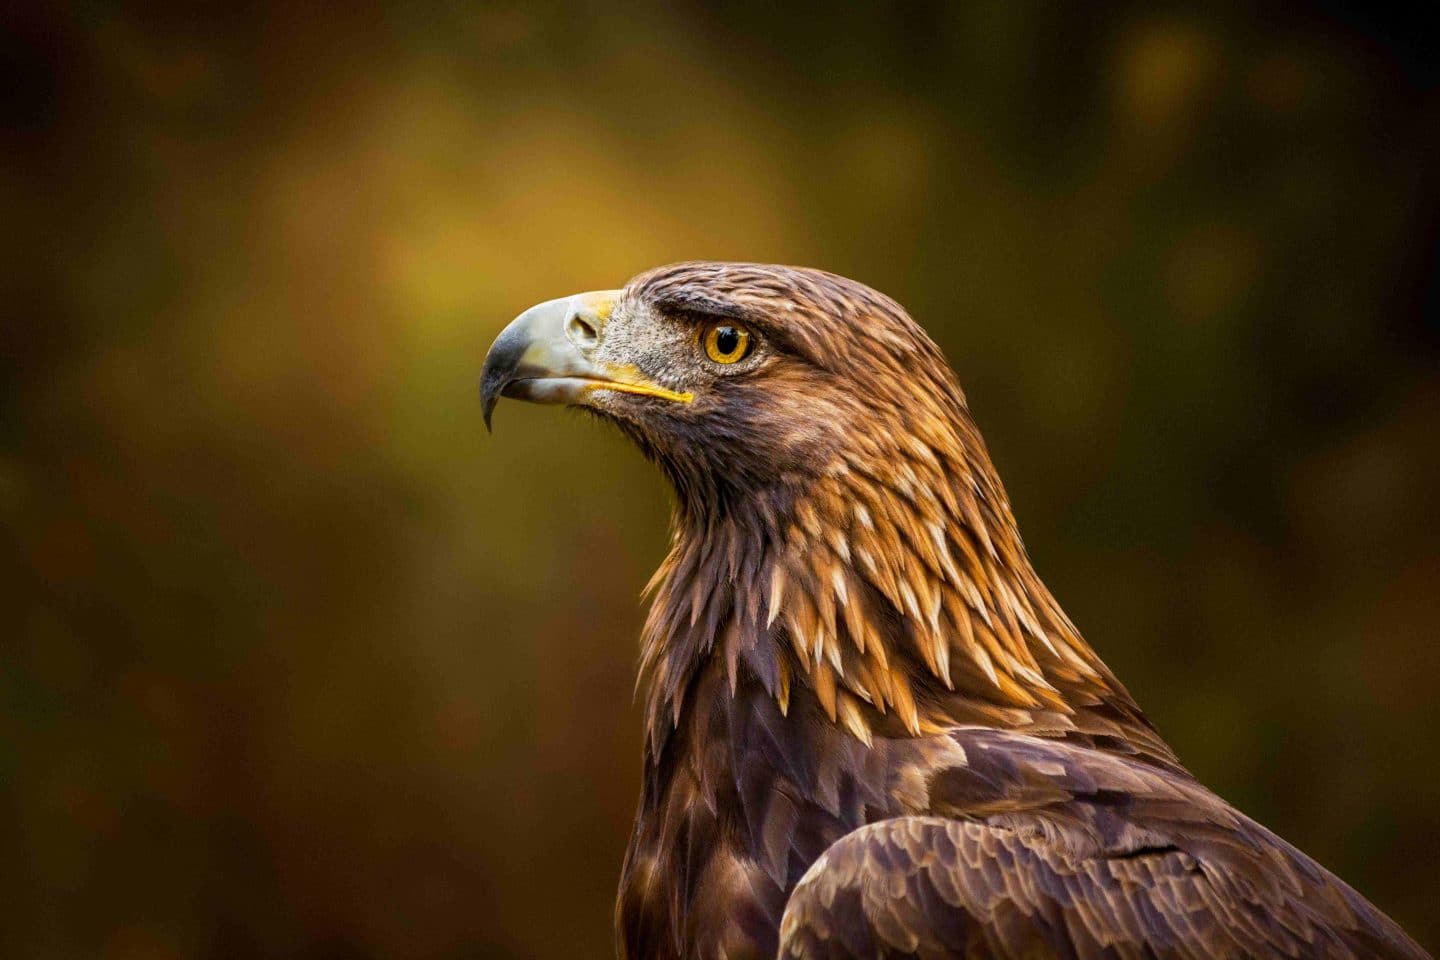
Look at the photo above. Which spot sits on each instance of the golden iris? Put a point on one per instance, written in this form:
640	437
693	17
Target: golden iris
727	343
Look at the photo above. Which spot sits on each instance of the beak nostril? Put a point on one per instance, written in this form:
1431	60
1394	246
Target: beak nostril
581	332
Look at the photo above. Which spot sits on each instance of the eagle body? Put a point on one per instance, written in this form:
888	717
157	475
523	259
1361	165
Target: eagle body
871	731
977	843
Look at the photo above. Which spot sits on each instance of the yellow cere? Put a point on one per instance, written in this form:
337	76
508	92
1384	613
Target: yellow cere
626	378
604	308
643	389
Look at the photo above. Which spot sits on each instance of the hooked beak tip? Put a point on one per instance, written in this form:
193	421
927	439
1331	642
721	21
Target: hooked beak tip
488	398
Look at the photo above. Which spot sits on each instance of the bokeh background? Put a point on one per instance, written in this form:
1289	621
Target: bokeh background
295	661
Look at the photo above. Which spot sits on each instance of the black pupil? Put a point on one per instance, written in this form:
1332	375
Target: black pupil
727	340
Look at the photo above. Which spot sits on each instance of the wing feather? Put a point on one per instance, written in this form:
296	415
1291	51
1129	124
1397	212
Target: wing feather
1085	855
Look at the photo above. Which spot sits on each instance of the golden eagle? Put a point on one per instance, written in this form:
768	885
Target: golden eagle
871	731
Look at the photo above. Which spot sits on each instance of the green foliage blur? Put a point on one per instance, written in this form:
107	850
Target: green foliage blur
296	661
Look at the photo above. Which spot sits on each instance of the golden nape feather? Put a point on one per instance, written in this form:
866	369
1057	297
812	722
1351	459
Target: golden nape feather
871	731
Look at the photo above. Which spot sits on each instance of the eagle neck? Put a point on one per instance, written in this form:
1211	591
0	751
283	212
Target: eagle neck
891	583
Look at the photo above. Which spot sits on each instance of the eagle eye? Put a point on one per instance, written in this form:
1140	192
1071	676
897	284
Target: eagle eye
726	342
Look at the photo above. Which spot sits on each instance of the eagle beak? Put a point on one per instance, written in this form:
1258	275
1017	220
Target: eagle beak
546	355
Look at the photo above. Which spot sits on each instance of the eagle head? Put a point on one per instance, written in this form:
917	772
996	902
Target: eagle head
745	382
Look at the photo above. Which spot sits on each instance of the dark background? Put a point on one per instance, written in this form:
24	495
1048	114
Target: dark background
296	662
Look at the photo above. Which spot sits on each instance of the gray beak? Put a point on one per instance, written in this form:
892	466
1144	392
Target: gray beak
545	355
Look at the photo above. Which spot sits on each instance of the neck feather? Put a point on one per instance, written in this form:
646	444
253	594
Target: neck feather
893	584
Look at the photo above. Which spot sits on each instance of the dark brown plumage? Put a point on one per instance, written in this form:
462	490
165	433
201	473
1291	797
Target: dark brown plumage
870	729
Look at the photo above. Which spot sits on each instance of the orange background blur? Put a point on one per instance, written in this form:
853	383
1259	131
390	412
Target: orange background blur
297	662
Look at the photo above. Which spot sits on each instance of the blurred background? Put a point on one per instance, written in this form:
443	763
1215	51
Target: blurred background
296	662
